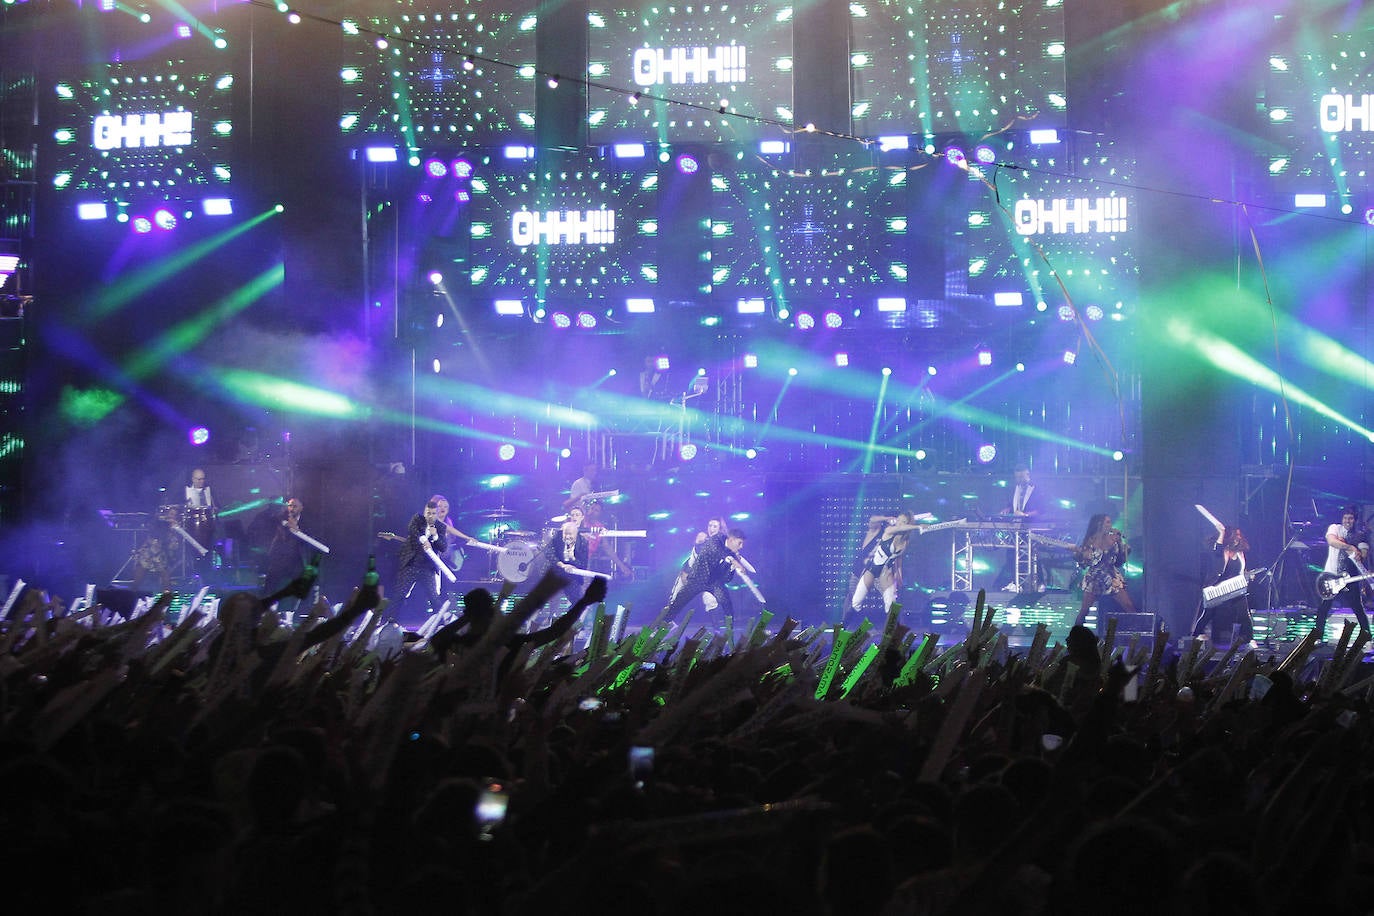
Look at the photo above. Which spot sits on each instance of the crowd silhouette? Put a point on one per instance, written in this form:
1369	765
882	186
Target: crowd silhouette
215	761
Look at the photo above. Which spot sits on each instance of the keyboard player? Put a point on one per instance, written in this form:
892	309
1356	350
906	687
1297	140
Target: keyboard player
1226	602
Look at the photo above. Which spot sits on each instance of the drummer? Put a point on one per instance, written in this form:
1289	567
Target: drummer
200	519
198	493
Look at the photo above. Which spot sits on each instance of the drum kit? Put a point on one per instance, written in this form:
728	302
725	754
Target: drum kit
173	542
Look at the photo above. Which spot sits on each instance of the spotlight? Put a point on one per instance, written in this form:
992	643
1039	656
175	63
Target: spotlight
561	320
639	306
920	454
553	81
751	361
509	307
628	150
434	168
586	320
792	371
688	451
887	371
984	356
165	220
955	157
506	452
985	154
469	64
662	364
183	30
687	164
805	321
986	453
436	366
834	320
142	225
751	453
892	304
750	306
1118	455
1093	313
634	99
565	452
462	168
842	359
1070	357
436	278
198	435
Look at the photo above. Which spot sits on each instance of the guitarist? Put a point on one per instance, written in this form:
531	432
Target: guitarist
1345	556
1231	545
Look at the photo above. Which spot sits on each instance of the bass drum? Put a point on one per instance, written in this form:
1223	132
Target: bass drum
515	562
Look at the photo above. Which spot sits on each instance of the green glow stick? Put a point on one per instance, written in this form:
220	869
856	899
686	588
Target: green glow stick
832	666
869	654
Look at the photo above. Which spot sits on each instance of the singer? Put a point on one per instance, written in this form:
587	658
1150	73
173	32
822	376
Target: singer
285	554
417	578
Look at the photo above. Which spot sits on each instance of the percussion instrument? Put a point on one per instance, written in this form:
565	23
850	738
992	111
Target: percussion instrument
515	559
199	522
169	513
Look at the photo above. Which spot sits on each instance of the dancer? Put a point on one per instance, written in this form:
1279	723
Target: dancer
716	556
880	558
713	527
1101	553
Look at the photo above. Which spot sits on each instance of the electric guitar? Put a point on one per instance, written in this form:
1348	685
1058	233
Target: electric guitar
1329	585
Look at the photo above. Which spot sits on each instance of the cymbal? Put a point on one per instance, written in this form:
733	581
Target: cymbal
496	513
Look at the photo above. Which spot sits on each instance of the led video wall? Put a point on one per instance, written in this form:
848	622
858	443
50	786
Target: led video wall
581	230
431	72
728	66
1319	107
820	236
1070	211
152	129
956	65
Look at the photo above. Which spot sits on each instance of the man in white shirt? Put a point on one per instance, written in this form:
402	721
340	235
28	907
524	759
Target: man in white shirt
198	493
1345	556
